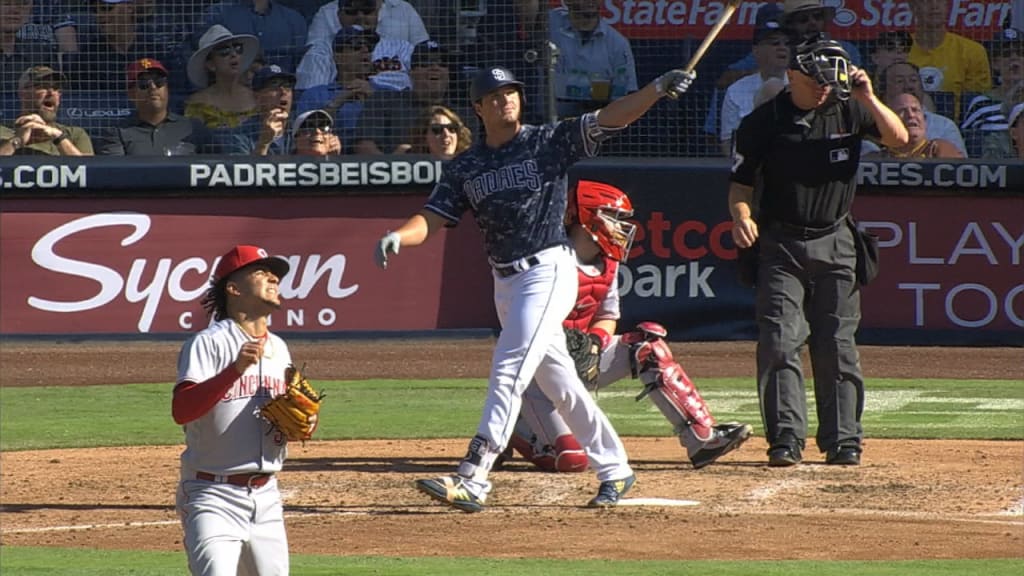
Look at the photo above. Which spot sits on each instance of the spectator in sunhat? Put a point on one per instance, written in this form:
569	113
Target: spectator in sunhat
153	130
218	68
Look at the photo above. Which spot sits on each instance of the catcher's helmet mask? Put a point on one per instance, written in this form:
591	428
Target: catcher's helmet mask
826	61
602	210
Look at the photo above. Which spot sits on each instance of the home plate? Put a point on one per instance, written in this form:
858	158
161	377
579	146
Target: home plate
656	502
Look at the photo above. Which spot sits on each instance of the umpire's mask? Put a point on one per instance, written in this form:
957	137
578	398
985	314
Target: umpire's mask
826	61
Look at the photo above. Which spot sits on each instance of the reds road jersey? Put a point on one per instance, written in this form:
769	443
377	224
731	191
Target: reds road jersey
517	193
233	438
598	297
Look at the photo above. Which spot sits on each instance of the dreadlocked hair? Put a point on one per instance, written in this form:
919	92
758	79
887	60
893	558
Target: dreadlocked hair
215	300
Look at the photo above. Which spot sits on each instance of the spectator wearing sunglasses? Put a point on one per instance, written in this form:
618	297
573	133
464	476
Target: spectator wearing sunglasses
153	130
800	18
440	133
771	51
36	130
385	125
218	67
267	132
280	29
395	22
313	134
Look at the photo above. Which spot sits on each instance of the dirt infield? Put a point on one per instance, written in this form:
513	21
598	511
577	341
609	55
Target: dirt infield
909	500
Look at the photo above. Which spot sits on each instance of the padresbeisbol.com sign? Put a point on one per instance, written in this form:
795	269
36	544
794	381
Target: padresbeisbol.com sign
288	174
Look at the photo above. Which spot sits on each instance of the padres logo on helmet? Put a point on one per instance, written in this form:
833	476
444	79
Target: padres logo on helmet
488	80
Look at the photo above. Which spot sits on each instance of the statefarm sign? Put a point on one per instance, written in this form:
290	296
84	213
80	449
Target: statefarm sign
854	19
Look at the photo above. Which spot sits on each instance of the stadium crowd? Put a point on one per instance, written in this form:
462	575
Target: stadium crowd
318	77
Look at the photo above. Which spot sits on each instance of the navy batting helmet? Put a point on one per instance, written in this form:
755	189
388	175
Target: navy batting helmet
489	79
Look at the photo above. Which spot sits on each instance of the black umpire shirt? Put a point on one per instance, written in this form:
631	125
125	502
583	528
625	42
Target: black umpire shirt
175	136
806	161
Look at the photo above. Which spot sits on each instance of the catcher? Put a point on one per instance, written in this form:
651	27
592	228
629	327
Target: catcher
602	239
240	400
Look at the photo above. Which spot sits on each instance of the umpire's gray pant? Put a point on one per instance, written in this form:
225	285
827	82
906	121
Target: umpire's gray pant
809	287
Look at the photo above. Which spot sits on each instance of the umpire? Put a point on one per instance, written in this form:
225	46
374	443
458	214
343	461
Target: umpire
802	148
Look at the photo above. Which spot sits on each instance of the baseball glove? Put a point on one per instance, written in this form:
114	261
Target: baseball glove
296	412
585	350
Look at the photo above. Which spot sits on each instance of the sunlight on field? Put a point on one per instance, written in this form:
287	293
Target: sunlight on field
936	411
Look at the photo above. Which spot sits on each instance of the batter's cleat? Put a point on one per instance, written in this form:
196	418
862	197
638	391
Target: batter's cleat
452	491
611	491
843	456
727	437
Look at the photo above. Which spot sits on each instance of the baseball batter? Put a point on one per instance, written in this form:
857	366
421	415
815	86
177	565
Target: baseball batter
228	499
514	183
602	240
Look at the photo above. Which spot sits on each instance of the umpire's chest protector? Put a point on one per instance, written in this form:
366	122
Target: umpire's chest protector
811	151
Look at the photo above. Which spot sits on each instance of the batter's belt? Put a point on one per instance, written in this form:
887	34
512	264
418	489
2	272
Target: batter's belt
243	480
506	269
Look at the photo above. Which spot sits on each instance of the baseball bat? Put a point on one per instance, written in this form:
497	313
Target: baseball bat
727	12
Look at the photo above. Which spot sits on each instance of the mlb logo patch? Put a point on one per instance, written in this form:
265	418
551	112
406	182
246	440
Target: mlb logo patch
839	155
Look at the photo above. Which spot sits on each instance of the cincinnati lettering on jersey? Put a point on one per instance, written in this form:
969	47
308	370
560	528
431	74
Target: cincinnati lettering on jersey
522	175
248	385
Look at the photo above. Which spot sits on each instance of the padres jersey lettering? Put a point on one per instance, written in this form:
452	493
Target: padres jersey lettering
517	194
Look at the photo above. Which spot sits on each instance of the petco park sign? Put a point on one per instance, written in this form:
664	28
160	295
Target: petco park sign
856	19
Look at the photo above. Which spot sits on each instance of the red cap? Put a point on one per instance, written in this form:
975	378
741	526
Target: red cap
243	255
141	65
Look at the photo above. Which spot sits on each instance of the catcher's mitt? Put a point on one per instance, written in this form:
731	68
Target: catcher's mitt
295	413
585	350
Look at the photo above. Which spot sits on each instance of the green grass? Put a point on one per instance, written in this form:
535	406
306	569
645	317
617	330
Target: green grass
77	562
74	417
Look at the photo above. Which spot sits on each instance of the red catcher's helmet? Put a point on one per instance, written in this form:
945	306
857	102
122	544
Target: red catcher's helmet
602	209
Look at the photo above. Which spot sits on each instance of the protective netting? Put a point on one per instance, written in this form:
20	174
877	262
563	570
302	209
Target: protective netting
590	50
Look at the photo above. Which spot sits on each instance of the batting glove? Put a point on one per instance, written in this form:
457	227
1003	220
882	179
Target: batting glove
391	242
674	83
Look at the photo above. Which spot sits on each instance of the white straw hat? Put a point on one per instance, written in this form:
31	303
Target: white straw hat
218	34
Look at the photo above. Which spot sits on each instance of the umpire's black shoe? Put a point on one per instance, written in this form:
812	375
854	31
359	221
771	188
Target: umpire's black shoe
843	456
782	455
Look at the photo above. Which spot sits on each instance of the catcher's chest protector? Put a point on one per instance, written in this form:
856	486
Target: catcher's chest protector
592	292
